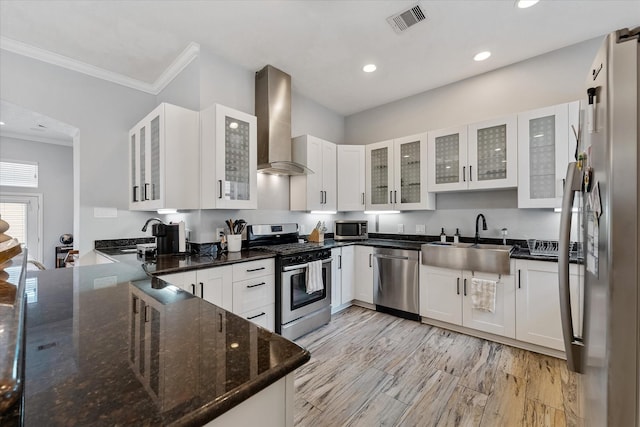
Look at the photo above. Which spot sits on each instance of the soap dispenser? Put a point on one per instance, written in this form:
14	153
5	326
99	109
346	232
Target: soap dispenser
443	237
456	237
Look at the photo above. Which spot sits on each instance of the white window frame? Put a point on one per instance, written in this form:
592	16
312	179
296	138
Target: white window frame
34	221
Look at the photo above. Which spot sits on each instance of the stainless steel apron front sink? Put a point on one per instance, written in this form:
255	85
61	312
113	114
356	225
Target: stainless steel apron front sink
468	256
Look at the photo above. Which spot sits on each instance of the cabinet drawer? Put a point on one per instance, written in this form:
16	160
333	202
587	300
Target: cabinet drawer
252	269
262	316
253	293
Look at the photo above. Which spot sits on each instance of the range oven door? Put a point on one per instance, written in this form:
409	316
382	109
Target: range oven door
296	302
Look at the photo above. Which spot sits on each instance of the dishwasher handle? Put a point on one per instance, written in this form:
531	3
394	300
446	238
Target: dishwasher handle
406	258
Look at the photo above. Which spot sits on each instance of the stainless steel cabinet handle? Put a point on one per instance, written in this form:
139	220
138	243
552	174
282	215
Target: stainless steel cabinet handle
219	189
390	197
202	289
146	192
519	279
321	197
257	315
256	285
135	305
363	198
193	288
458	286
251	270
146	314
370	260
470	174
220	328
135	193
395	196
464	174
339	262
465	287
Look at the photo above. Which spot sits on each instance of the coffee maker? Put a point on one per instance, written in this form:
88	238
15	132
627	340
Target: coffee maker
170	238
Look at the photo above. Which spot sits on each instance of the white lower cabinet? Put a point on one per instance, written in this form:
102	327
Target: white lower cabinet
184	280
342	276
215	285
254	292
538	303
363	277
445	295
246	289
277	400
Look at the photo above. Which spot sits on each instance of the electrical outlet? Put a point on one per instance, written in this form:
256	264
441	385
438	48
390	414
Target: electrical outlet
301	229
219	231
400	228
421	229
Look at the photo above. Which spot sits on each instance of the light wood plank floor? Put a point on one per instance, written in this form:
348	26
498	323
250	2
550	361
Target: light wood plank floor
373	369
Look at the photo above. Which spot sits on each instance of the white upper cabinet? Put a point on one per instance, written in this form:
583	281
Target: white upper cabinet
482	155
318	190
546	142
396	175
228	159
493	153
163	159
447	159
351	177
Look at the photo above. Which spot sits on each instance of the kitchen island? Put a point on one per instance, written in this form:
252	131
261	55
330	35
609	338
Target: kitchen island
110	345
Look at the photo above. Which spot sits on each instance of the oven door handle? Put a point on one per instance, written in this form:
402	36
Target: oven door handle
301	266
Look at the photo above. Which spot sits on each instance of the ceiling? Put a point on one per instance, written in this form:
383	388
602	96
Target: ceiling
322	44
26	124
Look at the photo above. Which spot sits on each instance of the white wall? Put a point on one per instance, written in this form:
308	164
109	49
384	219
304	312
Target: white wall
103	112
55	183
552	78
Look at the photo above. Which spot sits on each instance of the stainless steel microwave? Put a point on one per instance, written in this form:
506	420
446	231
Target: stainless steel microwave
350	230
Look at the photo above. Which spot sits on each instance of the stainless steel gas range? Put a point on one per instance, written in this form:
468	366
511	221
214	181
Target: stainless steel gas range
299	310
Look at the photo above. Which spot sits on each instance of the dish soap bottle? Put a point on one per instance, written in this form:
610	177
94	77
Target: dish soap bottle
443	237
456	237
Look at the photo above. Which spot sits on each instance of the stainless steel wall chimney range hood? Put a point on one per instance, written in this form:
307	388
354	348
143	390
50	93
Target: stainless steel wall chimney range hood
273	110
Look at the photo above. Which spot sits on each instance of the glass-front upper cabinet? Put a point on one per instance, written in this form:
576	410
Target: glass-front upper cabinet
410	174
493	154
163	148
379	175
229	159
478	156
447	156
546	142
396	174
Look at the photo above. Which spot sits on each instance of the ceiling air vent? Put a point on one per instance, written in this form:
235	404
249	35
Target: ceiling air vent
403	20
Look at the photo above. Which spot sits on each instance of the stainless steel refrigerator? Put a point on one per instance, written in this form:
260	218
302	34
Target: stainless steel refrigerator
607	181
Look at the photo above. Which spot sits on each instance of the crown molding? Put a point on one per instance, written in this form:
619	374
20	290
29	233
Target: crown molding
186	56
36	138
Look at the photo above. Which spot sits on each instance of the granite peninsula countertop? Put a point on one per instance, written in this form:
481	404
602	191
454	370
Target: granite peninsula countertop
91	359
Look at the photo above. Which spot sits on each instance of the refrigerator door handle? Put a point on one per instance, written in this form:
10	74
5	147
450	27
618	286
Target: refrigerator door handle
573	345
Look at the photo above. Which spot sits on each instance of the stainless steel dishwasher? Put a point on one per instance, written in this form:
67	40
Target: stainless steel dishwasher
396	282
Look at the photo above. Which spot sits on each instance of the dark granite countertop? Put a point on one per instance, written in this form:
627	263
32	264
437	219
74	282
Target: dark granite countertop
92	360
165	264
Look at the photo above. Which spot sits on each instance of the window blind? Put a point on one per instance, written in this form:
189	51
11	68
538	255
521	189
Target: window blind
17	173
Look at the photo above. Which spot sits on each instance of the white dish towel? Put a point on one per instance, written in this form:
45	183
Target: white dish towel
314	277
483	294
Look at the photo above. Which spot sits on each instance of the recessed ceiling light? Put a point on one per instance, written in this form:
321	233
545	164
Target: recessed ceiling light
369	68
523	4
2	123
482	56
